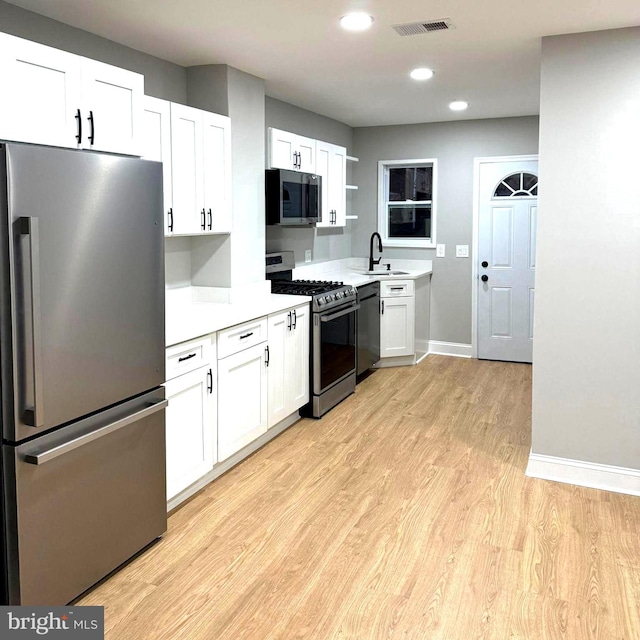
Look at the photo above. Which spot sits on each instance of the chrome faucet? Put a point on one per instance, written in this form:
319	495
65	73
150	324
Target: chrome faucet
373	262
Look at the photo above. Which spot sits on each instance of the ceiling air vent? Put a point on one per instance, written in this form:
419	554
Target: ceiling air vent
416	28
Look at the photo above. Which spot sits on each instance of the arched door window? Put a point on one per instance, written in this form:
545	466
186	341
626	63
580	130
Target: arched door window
517	185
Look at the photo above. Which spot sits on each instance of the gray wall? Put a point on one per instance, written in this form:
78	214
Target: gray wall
162	79
325	244
586	375
455	145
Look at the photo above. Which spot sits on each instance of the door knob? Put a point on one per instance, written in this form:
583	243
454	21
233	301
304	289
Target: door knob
484	278
485	264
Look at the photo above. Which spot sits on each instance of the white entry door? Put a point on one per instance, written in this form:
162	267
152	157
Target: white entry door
508	212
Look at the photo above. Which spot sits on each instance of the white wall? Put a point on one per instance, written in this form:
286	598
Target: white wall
586	375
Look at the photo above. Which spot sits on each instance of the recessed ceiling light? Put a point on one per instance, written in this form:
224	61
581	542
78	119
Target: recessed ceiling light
422	73
458	105
356	21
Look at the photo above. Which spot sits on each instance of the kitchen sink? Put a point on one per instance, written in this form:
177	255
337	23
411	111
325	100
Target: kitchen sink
387	273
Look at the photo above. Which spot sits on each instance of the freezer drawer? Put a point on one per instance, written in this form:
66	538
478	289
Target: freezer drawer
87	498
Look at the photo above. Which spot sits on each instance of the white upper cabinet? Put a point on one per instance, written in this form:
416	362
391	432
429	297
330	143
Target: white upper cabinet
189	214
216	131
156	145
41	93
201	171
112	108
290	151
56	98
331	164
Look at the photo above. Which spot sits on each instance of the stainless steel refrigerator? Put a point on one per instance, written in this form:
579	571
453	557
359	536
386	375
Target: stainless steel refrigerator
82	364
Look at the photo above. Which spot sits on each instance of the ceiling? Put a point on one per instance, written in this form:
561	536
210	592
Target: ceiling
491	58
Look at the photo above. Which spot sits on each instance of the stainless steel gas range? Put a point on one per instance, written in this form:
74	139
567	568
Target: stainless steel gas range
332	366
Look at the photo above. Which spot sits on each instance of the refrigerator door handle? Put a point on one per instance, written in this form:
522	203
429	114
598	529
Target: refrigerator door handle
34	417
60	450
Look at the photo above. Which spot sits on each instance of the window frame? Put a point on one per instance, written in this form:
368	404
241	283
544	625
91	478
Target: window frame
383	203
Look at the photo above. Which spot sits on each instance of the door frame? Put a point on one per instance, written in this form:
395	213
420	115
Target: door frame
477	162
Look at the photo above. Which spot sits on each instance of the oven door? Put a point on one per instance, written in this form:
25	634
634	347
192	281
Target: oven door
334	346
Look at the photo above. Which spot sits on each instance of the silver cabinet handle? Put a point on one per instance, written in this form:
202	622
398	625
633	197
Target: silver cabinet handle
60	450
34	417
344	312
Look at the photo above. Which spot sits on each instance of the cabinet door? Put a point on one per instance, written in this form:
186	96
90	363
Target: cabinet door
306	148
112	108
282	146
331	164
297	360
397	327
216	131
279	331
242	399
323	163
191	429
156	145
41	93
189	215
338	185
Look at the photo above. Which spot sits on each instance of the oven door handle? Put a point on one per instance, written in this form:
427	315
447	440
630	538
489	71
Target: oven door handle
339	314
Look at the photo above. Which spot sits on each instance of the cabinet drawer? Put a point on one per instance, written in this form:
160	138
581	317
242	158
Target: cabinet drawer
188	356
241	337
395	288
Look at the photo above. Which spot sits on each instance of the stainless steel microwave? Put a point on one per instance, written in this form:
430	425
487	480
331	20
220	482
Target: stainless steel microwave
292	197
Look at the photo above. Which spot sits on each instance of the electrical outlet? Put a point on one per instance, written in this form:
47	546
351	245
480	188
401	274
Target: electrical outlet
462	251
307	255
440	249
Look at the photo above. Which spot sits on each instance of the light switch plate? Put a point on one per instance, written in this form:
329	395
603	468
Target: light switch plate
462	251
307	255
440	250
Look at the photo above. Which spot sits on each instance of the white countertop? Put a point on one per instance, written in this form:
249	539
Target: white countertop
352	271
186	319
189	315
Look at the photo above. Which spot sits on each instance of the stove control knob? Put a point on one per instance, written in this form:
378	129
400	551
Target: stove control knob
321	300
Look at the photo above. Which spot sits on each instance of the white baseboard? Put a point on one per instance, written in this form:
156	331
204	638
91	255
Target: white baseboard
395	361
457	349
584	474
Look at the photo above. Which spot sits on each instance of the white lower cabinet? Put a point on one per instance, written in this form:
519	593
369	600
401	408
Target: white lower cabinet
288	374
191	433
242	399
227	389
397	319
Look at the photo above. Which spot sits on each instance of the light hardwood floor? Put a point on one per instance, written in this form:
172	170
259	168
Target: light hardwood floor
404	513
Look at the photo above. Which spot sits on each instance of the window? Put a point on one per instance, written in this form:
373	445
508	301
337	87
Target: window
517	185
406	202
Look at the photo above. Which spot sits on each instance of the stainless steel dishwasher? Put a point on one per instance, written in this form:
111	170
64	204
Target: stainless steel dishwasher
368	326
